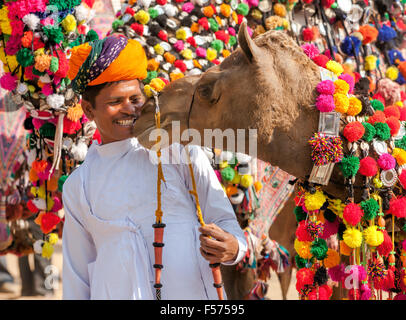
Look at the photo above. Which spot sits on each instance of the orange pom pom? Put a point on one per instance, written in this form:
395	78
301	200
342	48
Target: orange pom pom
344	249
369	33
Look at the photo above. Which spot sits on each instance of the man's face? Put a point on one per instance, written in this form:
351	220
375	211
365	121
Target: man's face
117	107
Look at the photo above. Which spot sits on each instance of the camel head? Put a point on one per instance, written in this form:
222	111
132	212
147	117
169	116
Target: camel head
267	84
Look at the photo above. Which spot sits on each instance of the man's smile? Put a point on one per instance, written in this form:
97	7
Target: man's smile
128	122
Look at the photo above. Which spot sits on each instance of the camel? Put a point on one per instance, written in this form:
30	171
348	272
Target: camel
267	84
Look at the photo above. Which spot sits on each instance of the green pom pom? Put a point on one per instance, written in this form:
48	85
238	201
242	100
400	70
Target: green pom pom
349	166
61	181
64	4
377	105
233	162
67	81
54	35
404	227
334	5
213	24
300	262
300	214
48	130
150	75
243	9
217	45
117	23
329	215
382	130
370	208
153	13
227	174
232	41
92	35
319	249
401	143
370	132
25	57
54	66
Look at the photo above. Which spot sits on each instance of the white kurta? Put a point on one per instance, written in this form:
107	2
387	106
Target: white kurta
110	203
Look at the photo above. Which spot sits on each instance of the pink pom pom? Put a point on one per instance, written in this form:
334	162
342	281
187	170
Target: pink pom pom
218	174
201	52
250	32
188	7
179	46
368	167
354	131
402	112
389	90
301	232
400	296
404	244
57	204
353	214
231	31
337	273
310	50
8	81
325	103
386	161
44	175
330	228
37	123
326	87
349	79
397	207
47	89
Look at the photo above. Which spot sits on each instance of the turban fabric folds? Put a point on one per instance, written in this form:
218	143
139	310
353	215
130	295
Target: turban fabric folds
111	59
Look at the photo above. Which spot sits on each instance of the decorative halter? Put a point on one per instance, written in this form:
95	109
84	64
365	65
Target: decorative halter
159	226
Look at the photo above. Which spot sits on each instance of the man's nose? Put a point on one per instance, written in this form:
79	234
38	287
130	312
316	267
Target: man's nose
129	107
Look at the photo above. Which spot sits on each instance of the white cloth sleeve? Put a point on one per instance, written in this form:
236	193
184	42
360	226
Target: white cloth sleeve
216	207
77	245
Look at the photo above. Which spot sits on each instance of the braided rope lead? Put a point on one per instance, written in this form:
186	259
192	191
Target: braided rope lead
158	225
215	267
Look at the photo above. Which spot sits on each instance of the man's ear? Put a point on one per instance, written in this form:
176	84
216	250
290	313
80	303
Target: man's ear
87	109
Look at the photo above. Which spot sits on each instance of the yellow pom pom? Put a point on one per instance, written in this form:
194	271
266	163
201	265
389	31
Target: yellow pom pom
392	73
47	250
399	155
370	63
147	91
225	10
314	201
142	17
246	180
341	102
341	86
303	249
69	23
211	54
223	164
157	84
332	259
53	238
334	67
355	106
158	49
337	206
285	24
373	236
75	112
352	237
5	25
237	178
176	75
181	34
399	104
187	54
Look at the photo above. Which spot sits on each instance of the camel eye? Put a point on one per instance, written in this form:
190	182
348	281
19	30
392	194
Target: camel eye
205	91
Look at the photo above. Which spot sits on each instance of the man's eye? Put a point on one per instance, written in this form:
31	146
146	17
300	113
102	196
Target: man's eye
115	102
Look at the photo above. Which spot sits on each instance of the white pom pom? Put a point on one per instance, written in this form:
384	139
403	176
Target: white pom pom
226	156
39	203
81	13
32	21
67	143
201	2
38	246
238	197
243	158
79	150
145	3
55	101
170	10
45	78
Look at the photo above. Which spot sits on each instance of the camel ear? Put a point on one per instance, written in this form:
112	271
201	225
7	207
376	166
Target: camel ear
248	46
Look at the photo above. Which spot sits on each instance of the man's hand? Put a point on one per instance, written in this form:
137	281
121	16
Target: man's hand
221	247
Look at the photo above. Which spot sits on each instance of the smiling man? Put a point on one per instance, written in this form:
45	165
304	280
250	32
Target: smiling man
110	199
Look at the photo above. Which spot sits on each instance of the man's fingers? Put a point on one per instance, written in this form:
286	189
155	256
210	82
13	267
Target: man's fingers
205	241
214	231
209	257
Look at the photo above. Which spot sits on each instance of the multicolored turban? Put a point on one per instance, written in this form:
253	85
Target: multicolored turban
111	59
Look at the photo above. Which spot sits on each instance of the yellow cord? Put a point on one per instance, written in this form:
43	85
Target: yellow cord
158	212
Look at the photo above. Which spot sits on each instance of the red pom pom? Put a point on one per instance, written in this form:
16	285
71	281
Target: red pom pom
379	97
130	11
222	35
321	60
96	136
397	207
204	23
394	125
162	35
49	221
402	95
320	293
304	277
138	28
161	2
378	116
63	64
402	179
392	111
327	3
301	232
368	167
70	127
353	214
354	131
180	65
386	246
164	80
191	41
357	76
215	61
308	34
